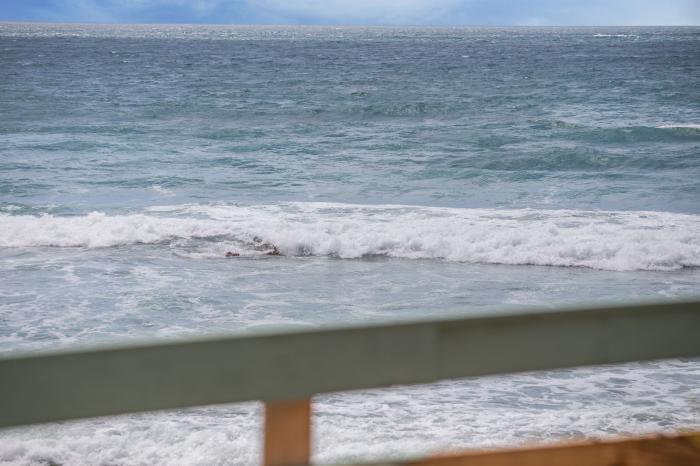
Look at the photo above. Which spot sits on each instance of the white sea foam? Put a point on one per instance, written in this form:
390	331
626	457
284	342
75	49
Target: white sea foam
602	240
680	125
634	36
162	191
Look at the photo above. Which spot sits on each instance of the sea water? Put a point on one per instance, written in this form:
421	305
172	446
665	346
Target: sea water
400	172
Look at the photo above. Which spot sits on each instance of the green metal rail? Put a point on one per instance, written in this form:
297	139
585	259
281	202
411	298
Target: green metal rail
298	364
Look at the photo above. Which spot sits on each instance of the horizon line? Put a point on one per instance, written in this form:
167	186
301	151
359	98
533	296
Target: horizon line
100	23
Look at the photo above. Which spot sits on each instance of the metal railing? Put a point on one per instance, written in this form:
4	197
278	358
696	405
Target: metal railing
285	369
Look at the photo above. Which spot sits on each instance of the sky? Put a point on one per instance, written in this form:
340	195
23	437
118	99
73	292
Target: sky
370	12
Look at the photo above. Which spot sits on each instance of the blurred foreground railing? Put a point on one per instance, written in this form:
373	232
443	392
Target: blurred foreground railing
286	369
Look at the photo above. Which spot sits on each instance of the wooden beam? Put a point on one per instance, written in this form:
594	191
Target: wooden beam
296	365
677	450
287	439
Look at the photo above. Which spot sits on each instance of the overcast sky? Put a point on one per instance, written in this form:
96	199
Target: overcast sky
388	12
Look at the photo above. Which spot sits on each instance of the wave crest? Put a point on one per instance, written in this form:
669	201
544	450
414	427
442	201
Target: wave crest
600	240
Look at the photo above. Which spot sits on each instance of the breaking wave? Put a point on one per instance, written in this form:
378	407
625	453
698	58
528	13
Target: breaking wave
681	126
595	239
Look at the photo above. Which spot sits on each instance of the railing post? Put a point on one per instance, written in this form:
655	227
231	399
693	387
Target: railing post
287	432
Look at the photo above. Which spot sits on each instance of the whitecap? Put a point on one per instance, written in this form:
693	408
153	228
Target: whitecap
572	238
680	125
162	191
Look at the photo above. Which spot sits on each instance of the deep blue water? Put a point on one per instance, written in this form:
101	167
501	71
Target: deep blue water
527	118
400	172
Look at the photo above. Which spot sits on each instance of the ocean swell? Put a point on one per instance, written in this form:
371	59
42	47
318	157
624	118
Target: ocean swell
595	239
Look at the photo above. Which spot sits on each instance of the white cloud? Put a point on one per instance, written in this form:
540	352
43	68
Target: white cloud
362	11
201	7
78	10
426	12
118	10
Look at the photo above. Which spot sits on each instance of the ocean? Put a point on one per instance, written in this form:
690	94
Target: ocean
400	173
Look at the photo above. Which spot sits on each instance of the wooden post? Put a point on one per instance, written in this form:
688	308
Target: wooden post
287	439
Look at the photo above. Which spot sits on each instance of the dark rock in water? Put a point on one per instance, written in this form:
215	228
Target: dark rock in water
48	462
273	252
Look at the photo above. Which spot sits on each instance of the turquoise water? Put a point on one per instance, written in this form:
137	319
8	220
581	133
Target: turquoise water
400	172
